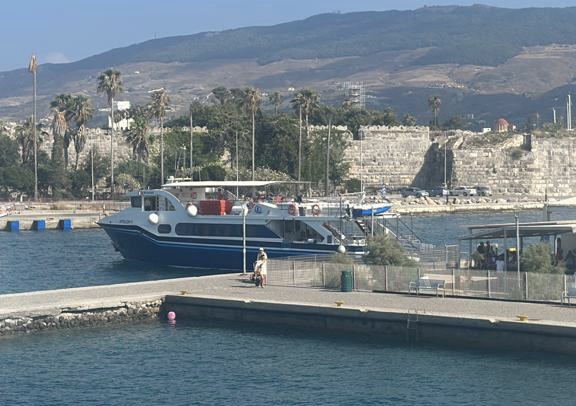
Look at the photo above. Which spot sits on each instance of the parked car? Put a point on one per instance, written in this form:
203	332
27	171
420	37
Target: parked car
463	191
414	191
439	191
483	190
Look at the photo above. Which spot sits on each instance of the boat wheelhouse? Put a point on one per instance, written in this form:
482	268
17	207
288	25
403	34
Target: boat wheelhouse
207	225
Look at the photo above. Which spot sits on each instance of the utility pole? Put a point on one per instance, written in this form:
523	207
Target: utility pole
32	68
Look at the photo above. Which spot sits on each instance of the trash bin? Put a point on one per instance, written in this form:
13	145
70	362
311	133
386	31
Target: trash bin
346	281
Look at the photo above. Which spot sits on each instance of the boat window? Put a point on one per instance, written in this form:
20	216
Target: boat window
164	228
166	205
223	230
150	203
295	230
136	201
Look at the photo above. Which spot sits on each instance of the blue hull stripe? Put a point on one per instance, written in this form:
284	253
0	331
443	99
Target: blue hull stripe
136	243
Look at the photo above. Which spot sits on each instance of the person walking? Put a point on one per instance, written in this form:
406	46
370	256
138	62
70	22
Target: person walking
260	266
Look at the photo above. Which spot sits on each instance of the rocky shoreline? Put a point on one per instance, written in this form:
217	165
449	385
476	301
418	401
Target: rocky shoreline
426	205
78	317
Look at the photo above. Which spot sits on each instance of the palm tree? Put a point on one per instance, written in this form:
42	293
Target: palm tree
222	94
63	103
110	83
137	135
276	100
305	101
434	103
25	139
81	113
59	129
158	110
251	103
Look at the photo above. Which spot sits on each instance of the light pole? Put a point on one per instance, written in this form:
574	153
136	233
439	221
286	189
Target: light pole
299	144
237	169
92	170
517	247
328	157
191	143
32	68
244	212
361	134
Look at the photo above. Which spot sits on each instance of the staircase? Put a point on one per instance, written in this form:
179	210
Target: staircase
412	244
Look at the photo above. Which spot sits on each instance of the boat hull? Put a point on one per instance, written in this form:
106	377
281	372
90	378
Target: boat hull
221	255
368	211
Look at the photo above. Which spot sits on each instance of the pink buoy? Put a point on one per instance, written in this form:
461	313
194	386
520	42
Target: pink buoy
171	316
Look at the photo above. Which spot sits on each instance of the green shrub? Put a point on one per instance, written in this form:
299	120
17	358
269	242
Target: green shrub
537	258
383	250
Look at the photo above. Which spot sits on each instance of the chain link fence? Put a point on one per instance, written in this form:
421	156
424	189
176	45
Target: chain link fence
321	272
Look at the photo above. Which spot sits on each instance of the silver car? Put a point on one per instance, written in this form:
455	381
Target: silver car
414	191
463	191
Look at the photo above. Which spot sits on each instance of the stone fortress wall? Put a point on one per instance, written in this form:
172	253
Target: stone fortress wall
388	155
520	165
414	156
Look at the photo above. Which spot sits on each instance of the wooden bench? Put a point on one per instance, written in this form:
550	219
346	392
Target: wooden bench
425	285
568	294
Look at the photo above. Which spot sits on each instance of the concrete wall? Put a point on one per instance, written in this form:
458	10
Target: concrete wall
437	329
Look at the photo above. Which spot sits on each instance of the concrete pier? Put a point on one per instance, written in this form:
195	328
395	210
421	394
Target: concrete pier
447	321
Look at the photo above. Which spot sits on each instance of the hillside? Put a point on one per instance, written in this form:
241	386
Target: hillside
481	60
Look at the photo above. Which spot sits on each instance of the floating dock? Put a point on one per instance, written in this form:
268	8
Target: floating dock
446	321
49	220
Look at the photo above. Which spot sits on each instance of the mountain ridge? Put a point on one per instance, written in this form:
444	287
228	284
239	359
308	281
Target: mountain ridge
463	50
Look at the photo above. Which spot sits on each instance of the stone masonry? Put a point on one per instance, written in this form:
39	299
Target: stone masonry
388	155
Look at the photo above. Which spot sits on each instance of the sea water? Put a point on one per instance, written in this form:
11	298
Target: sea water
199	363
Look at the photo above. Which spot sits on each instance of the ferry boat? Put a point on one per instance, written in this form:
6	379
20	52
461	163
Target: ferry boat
204	224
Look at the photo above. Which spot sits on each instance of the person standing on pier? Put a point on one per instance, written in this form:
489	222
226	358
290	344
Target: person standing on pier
260	266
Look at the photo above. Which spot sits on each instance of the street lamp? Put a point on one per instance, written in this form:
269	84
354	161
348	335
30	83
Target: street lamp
244	213
32	68
328	157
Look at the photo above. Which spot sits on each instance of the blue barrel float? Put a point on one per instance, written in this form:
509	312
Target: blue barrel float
13	226
39	225
65	224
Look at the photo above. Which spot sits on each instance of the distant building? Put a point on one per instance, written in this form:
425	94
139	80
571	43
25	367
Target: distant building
119	107
501	126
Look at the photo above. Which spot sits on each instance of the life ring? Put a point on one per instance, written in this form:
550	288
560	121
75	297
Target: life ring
316	210
293	209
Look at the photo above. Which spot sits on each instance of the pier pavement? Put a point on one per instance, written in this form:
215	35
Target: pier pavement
464	322
236	287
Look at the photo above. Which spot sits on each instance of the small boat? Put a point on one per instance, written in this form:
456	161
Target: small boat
205	224
369	210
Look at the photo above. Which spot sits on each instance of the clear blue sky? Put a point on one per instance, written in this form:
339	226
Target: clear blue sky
68	30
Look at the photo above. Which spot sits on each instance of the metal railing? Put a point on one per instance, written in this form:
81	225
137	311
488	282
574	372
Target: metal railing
320	272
